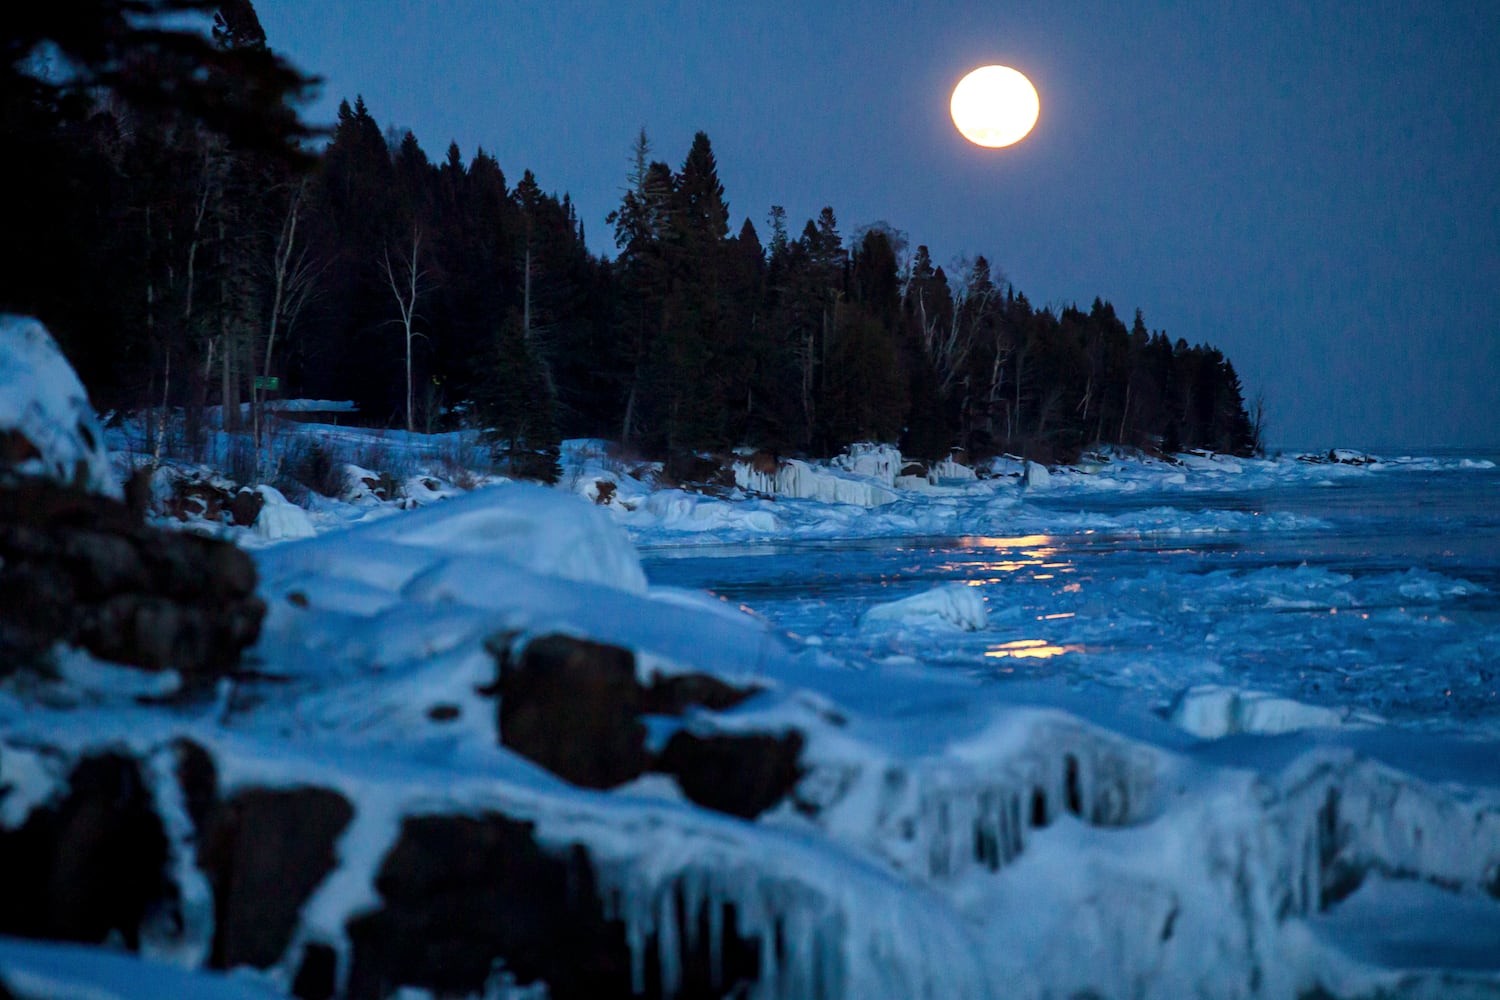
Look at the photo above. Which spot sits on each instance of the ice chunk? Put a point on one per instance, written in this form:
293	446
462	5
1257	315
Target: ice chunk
952	604
44	405
1211	711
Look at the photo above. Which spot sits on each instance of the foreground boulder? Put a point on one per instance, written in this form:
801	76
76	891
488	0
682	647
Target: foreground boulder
81	568
90	865
77	564
458	892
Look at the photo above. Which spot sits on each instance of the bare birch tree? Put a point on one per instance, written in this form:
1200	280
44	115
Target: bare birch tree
294	275
407	278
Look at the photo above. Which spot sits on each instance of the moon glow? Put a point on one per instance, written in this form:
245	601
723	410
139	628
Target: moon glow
995	106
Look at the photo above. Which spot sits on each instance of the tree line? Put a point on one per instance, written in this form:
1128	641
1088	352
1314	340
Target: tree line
186	262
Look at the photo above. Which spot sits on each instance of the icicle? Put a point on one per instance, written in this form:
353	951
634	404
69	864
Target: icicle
715	940
668	944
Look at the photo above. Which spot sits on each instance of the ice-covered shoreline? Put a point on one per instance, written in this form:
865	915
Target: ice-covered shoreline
475	747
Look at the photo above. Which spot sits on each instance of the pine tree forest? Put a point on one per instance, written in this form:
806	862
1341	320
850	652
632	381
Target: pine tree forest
184	263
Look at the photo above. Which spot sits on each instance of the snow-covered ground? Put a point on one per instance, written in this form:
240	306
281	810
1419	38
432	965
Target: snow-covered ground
1222	728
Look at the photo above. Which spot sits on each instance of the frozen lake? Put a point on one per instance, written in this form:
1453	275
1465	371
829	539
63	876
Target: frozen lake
1376	594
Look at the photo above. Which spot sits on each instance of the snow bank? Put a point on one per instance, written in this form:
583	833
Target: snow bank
527	526
42	401
1036	476
953	604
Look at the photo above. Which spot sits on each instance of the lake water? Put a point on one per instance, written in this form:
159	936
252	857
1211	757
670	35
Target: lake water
1375	595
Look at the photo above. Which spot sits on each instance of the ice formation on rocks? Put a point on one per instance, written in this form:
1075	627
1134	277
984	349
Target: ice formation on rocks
803	480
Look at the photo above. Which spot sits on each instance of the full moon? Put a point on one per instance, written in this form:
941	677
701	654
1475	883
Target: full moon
995	106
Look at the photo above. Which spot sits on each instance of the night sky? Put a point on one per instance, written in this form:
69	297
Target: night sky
1313	188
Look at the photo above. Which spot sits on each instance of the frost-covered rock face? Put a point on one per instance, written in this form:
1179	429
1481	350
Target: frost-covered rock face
47	427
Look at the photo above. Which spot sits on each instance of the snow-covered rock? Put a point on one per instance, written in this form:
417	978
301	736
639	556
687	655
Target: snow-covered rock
953	604
1036	476
279	519
47	427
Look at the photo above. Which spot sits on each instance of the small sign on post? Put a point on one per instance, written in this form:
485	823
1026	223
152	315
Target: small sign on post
272	382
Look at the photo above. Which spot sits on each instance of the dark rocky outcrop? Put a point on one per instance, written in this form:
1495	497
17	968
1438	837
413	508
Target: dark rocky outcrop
91	865
246	506
699	473
459	892
678	693
460	895
83	569
264	852
739	774
317	973
576	707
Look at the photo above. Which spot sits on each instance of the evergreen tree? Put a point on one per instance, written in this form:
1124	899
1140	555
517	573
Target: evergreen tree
140	51
515	405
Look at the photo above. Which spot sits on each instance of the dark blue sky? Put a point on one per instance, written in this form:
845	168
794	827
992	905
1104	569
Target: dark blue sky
1314	188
